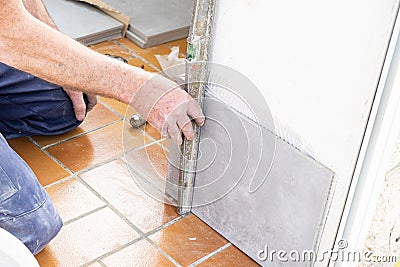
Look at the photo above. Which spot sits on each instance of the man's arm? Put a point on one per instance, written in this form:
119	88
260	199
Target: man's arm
32	46
37	9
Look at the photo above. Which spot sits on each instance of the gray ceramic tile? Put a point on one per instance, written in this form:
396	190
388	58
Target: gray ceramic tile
83	22
156	21
286	210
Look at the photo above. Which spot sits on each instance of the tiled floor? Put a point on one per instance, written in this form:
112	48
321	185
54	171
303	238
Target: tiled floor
108	219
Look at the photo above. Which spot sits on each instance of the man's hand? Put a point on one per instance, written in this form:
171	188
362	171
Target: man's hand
168	108
79	104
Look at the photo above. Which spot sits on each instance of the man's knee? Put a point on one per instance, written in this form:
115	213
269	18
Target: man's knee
51	113
32	106
44	224
35	228
26	210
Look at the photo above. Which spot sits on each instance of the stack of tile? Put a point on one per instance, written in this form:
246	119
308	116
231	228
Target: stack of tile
155	21
83	22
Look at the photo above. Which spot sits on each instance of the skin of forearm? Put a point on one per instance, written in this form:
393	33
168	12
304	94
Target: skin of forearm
28	44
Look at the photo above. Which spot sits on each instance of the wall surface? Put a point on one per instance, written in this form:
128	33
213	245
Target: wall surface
317	64
385	227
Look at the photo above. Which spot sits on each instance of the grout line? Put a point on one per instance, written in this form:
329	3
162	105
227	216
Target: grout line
43	149
98	165
142	147
72	175
105	255
143	177
158	142
80	134
131	57
141	129
59	181
112	109
162	145
166	224
142	235
165	254
148	234
127	221
51	156
91	189
126	120
93	166
196	263
137	55
115	210
85	215
146	134
167	198
77	173
134	227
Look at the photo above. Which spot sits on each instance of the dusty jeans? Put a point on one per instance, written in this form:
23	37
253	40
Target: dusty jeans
28	106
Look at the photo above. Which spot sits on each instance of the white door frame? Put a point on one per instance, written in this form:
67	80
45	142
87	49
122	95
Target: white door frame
379	140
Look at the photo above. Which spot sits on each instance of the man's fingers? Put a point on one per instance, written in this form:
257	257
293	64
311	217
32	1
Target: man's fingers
196	113
186	127
175	133
79	109
92	102
79	105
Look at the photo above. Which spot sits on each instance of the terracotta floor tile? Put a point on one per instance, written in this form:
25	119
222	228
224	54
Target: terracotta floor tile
47	258
153	132
231	257
122	108
140	254
182	43
98	146
166	143
137	62
96	118
45	168
115	183
188	240
86	239
150	162
133	138
73	199
158	157
115	104
147	53
111	48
